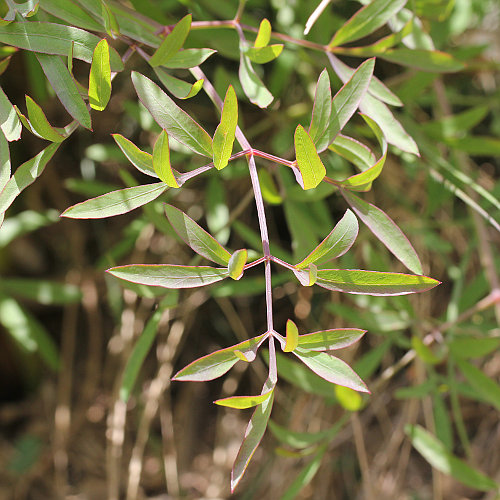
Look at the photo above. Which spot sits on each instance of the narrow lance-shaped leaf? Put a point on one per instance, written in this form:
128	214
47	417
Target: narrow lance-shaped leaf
346	102
39	122
110	21
244	402
322	107
337	243
161	161
71	13
433	61
308	161
307	277
292	336
354	151
189	58
65	87
264	55
441	459
252	85
170	117
237	263
116	202
253	435
179	88
56	39
385	229
367	20
264	34
331	369
173	42
100	77
218	363
373	282
196	237
224	134
141	160
327	340
4	161
25	175
169	275
9	122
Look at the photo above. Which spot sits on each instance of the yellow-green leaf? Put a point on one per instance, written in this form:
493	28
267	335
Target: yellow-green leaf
308	161
348	398
173	42
292	336
263	55
161	161
264	34
224	134
237	263
39	122
243	402
100	77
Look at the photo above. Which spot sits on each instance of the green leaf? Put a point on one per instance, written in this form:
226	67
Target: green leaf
237	263
39	122
170	117
322	107
268	187
56	39
346	102
308	276
292	336
189	58
25	175
9	121
252	85
5	169
373	282
173	42
305	476
337	243
456	125
43	292
438	457
28	332
116	202
161	161
253	435
169	275
309	163
224	134
196	237
385	229
179	88
349	399
243	402
71	14
423	351
65	88
330	368
426	60
473	347
218	363
110	22
100	77
141	160
353	151
328	340
481	383
264	34
263	55
26	222
367	20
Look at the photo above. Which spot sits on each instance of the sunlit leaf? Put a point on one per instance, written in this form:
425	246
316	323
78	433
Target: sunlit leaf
179	88
100	77
161	161
337	243
39	122
331	369
263	55
322	107
173	42
373	282
9	122
308	161
25	175
353	151
292	336
224	134
218	363
237	263
264	34
349	399
243	402
196	237
141	160
252	85
5	169
368	19
328	340
441	459
71	13
189	58
170	117
110	22
268	187
306	277
116	202
169	275
385	229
